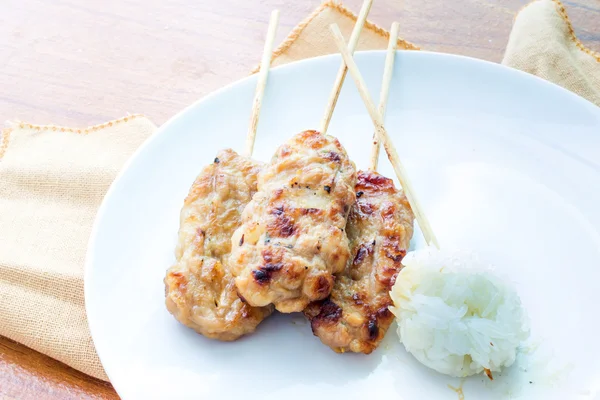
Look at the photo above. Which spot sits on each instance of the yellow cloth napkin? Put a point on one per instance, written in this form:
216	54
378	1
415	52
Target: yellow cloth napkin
543	43
52	179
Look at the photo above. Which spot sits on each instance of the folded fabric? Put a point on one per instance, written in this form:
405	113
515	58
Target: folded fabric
543	43
52	179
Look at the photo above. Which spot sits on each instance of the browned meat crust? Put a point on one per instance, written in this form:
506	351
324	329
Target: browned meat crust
380	225
200	290
292	235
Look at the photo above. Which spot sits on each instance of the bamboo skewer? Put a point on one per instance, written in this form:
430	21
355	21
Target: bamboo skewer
341	75
262	82
384	138
388	71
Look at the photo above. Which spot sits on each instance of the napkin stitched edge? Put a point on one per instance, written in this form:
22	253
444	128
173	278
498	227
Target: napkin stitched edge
6	132
562	12
338	6
4	139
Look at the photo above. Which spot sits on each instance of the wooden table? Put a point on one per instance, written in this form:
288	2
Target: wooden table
78	63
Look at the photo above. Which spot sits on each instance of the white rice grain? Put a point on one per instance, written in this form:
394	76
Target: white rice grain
454	315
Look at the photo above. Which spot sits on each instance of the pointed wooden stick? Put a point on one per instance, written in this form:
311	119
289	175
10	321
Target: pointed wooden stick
341	75
262	82
385	88
384	138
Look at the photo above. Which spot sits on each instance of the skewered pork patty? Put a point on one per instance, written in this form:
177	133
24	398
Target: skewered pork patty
292	237
200	290
380	225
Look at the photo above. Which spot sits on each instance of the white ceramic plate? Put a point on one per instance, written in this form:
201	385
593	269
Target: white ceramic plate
505	164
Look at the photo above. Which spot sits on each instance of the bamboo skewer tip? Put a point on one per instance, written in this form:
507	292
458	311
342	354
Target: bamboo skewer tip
385	88
261	84
341	75
384	138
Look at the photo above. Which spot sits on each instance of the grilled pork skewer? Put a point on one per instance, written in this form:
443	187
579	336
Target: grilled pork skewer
303	273
200	290
356	317
292	237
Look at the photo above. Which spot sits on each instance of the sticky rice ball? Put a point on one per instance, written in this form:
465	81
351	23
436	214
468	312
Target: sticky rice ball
455	316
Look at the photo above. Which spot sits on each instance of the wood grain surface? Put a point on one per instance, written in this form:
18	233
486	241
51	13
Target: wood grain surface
77	63
27	374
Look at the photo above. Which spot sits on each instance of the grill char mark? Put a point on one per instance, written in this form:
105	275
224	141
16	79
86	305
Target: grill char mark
307	211
281	225
364	250
264	274
392	249
332	156
373	182
365	208
373	329
329	313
